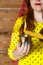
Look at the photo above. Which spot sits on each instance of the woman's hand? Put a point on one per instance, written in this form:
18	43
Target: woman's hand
21	50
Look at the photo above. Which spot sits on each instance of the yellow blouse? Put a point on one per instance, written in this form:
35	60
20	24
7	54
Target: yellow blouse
35	56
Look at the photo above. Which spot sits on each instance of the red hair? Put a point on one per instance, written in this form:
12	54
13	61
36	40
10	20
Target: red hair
23	9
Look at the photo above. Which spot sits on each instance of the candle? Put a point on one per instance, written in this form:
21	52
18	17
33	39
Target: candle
24	38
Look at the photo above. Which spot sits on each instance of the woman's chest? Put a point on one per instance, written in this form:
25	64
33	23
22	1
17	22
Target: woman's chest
38	29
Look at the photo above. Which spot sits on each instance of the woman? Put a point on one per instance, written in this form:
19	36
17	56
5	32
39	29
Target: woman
34	21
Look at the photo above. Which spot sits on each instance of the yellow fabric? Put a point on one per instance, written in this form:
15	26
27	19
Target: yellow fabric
35	56
14	37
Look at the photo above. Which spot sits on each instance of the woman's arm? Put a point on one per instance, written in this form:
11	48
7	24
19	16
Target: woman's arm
15	37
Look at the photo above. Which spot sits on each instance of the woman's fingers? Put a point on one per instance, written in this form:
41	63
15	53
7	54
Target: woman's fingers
19	44
22	47
28	49
25	48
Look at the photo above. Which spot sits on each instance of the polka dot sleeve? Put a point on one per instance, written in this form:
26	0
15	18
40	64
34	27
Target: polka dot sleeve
14	37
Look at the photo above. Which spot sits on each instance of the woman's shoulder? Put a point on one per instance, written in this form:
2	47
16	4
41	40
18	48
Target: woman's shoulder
19	21
21	17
